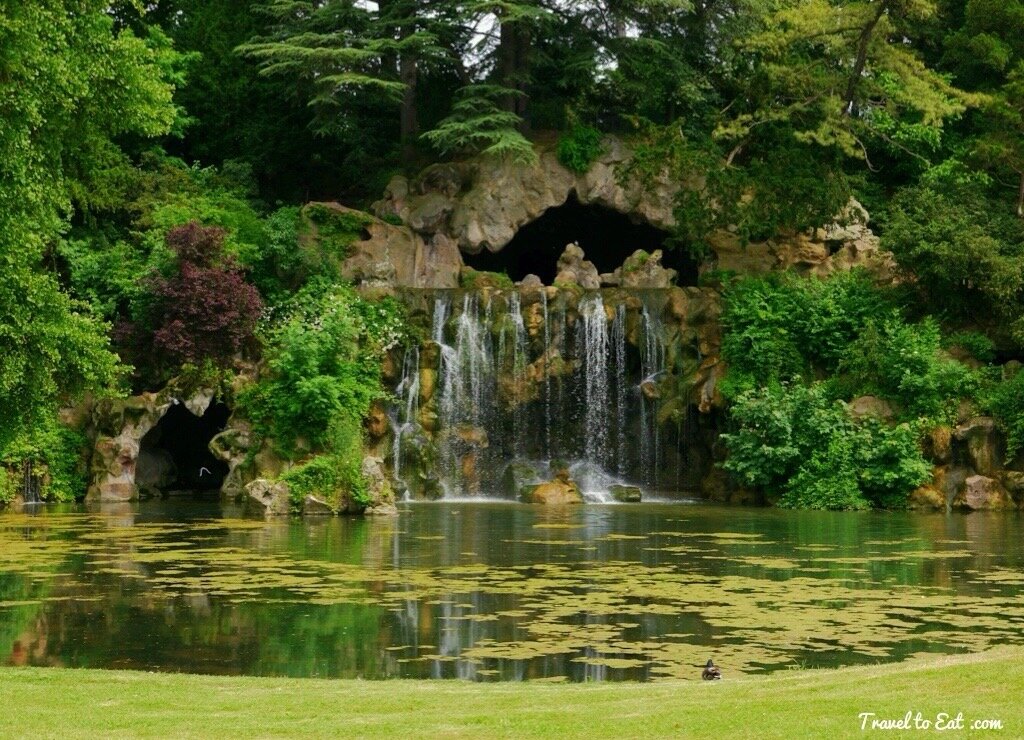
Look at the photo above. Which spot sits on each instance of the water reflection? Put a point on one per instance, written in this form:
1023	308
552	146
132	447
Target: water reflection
502	591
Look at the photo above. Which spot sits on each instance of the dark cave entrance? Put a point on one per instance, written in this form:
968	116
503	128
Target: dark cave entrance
175	454
606	236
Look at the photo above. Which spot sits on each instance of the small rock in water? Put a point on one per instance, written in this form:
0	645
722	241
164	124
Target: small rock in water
625	494
556	493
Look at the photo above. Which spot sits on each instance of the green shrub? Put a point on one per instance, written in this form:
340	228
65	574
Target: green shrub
57	453
1005	401
579	147
8	485
318	371
801	446
976	344
902	363
828	480
324	352
331	476
780	326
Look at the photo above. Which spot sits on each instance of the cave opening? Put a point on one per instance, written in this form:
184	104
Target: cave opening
605	235
175	454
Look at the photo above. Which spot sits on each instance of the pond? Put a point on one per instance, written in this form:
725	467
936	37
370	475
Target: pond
503	592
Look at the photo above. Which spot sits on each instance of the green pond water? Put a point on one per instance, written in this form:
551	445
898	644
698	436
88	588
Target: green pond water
495	591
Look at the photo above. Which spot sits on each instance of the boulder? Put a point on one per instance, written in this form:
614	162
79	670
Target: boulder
625	494
926	497
938	444
429	212
870	406
554	493
383	255
517	478
1013	481
980	492
643	270
984	446
378	485
573	269
845	244
377	422
267	497
313	506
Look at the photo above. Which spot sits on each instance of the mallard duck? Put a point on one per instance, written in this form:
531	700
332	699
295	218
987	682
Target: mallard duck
711	672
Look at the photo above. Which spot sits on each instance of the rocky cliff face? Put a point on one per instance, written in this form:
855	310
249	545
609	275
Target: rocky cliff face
468	207
414	246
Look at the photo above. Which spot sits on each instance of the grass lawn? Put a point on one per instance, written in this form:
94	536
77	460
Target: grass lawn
41	702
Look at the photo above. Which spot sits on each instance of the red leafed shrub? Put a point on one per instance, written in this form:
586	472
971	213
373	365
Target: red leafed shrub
204	311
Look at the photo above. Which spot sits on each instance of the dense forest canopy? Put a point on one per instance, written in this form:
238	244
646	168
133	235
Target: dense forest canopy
123	121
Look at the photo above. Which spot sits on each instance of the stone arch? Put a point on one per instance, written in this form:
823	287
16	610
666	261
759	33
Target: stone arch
456	212
607	237
119	427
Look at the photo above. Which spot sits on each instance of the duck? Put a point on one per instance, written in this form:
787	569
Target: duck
711	672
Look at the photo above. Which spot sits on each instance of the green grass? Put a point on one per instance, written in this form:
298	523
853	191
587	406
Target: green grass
42	702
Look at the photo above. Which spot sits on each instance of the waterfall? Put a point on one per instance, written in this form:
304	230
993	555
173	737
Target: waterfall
619	344
595	367
498	403
520	359
651	365
30	484
546	351
407	411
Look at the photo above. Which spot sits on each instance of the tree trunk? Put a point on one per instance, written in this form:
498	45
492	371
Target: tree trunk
408	71
862	56
513	67
1020	197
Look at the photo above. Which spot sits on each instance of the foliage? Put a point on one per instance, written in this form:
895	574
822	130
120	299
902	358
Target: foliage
1005	401
964	252
8	486
72	86
976	344
579	147
780	327
796	350
56	452
323	356
803	447
204	311
478	125
903	363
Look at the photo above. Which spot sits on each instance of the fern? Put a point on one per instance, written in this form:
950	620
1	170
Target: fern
477	125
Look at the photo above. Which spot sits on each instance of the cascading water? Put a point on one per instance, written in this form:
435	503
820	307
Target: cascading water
537	379
619	345
651	365
406	412
592	349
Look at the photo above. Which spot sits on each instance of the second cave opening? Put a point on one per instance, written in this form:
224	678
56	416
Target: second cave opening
605	235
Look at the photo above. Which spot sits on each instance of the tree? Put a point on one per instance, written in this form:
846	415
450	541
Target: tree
343	48
987	55
71	85
204	311
845	74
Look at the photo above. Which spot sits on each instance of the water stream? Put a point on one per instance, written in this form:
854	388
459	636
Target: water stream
536	381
